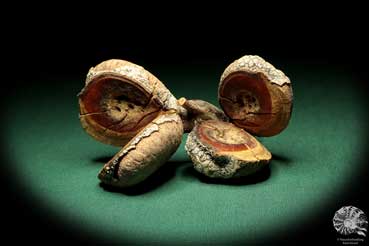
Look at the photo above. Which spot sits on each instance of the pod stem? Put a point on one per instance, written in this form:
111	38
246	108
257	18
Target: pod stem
194	111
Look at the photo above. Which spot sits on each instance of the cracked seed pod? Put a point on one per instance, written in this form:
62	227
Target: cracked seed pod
145	153
222	150
119	99
256	96
195	110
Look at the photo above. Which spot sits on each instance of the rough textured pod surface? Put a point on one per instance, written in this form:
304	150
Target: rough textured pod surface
256	96
119	99
195	110
145	153
222	150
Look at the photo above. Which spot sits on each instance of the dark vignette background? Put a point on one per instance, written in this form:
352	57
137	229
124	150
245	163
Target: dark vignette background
56	44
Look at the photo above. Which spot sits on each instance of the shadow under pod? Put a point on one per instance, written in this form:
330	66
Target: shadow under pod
102	159
281	159
154	181
258	177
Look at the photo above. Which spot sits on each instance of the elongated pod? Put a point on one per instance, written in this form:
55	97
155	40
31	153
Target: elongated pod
256	96
145	153
222	150
119	99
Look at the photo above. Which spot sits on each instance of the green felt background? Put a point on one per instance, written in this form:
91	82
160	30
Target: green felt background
315	159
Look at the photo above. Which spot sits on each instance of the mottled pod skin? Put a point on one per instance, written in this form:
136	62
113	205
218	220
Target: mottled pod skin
145	153
222	150
119	99
256	96
195	110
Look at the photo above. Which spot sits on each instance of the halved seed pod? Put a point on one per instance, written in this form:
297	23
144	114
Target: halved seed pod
222	150
145	153
119	99
195	110
256	96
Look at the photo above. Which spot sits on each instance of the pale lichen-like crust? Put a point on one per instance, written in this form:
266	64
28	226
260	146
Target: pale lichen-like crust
212	163
145	153
255	64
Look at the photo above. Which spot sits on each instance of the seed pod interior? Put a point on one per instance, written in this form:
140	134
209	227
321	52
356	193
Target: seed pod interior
222	150
119	99
256	96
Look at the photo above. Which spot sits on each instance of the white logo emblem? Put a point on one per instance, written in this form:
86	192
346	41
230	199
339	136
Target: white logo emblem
348	220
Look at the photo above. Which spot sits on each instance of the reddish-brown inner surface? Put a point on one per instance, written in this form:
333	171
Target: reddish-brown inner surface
219	135
103	98
240	82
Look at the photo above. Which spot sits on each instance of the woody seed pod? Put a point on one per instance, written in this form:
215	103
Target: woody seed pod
145	153
123	104
119	99
222	150
256	96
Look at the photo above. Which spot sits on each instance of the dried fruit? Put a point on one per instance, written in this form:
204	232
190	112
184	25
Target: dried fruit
119	99
195	110
256	96
222	150
145	153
